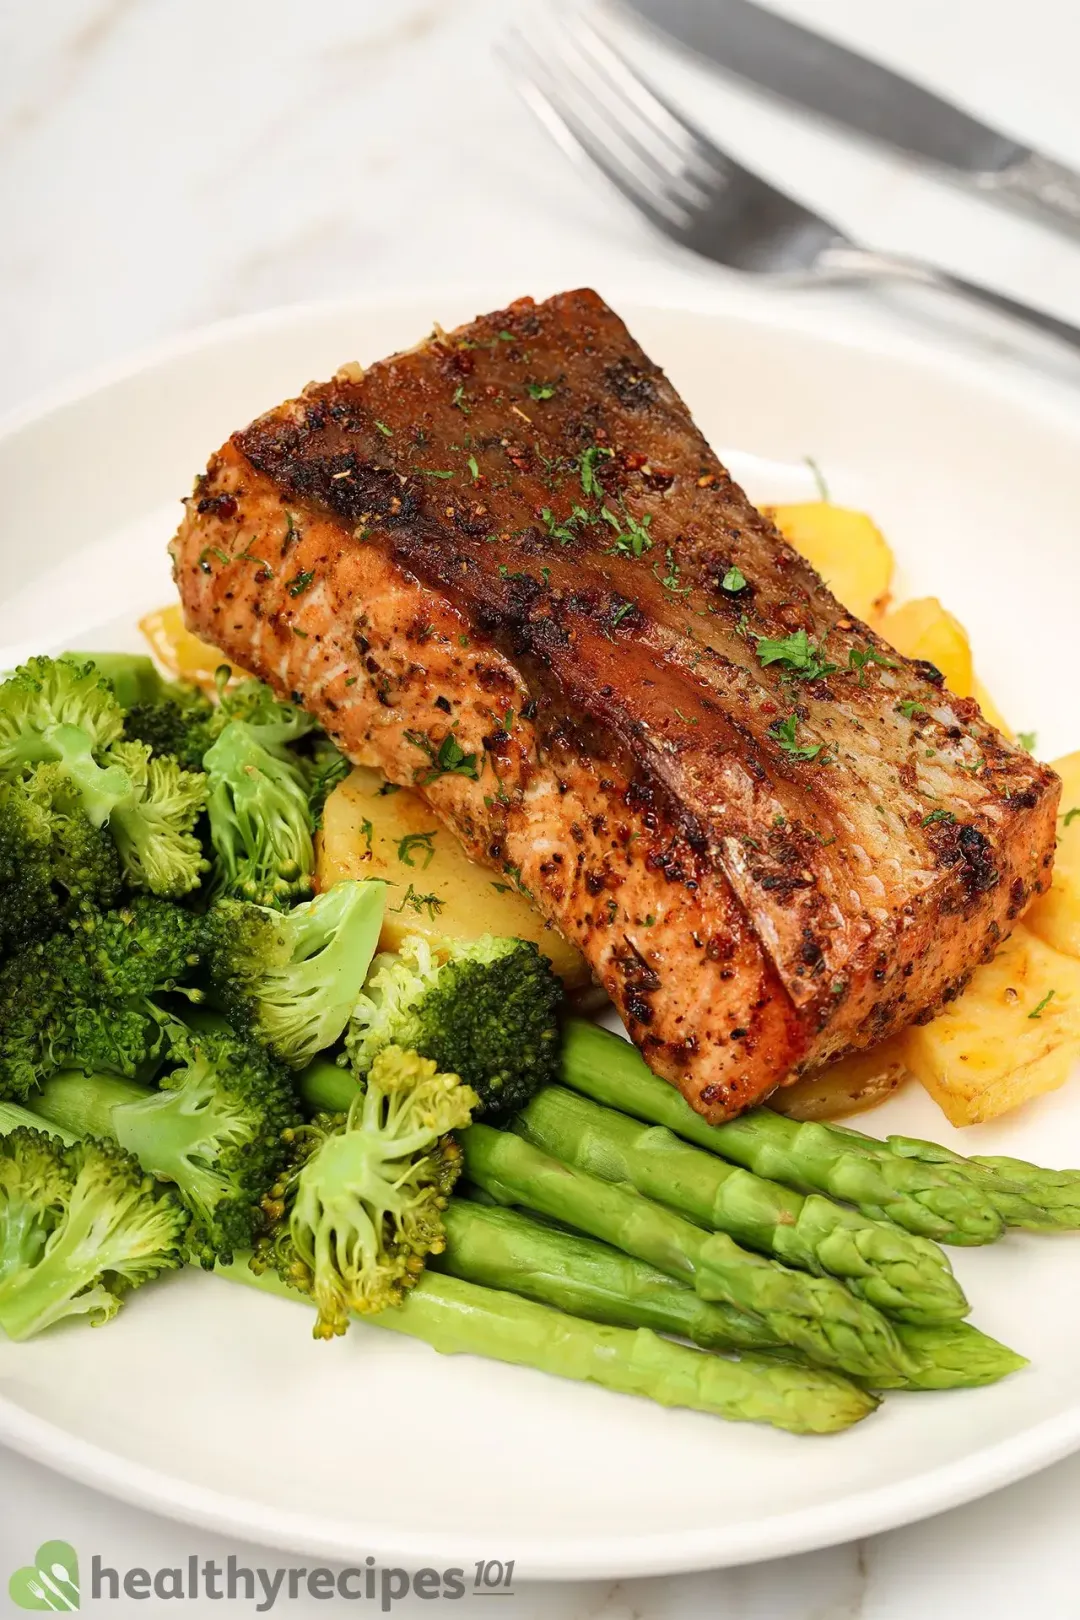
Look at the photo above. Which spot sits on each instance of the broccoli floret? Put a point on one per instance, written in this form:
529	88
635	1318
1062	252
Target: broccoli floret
87	996
153	824
52	710
52	860
182	724
43	697
218	1125
486	1009
361	1206
260	818
133	677
59	713
80	1225
292	978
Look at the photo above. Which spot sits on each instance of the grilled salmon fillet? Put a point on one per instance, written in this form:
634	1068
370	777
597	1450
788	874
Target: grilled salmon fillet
506	569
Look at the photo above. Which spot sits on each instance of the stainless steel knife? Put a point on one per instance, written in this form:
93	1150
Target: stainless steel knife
814	72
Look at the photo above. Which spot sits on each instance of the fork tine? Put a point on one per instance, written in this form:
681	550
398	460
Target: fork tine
543	96
682	136
583	79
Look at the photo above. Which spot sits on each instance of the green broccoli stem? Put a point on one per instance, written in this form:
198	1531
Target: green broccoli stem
927	1200
816	1315
902	1275
457	1317
505	1248
87	1104
162	1129
14	1117
326	1088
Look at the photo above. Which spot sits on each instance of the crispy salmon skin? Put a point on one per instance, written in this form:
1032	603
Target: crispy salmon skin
506	568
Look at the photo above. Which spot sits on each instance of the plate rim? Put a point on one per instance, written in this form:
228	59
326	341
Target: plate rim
838	1520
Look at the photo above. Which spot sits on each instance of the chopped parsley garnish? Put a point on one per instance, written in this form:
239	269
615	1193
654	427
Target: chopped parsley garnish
291	530
563	532
622	610
431	903
589	481
858	658
298	632
459	399
910	709
941	817
387	433
449	759
670	579
473	468
422	844
633	541
1027	740
505	336
783	732
249	556
1037	1012
541	390
797	653
733	581
388	788
1070	814
432	472
212	551
300	582
367	832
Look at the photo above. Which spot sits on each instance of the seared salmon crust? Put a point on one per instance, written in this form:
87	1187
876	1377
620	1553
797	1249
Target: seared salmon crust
506	568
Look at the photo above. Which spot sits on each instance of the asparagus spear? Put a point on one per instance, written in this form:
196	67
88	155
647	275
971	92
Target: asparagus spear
504	1248
1023	1194
925	1199
904	1276
459	1317
816	1315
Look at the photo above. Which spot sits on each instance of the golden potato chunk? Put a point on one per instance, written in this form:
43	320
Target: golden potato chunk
1055	916
847	549
851	1084
182	654
435	889
1012	1035
924	629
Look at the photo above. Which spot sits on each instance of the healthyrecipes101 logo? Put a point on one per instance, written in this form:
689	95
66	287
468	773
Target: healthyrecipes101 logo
50	1582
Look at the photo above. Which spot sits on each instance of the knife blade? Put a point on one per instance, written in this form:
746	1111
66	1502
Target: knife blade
839	84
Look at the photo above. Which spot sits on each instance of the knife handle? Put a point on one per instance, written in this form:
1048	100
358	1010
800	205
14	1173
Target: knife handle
1038	184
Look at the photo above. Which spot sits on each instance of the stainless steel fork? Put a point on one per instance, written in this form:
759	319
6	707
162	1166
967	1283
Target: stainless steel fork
597	107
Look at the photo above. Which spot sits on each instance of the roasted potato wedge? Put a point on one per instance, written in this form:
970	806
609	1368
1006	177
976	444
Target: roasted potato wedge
923	628
1055	916
183	655
1012	1035
435	889
853	1083
847	549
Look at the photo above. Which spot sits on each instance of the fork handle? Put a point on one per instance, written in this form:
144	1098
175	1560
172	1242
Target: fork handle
858	262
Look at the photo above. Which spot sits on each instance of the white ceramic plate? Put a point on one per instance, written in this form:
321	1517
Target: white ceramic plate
211	1403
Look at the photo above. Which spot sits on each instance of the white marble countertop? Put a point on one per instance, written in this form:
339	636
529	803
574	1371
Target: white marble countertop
166	164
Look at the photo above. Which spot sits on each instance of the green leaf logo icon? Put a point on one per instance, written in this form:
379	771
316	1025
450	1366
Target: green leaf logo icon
50	1582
